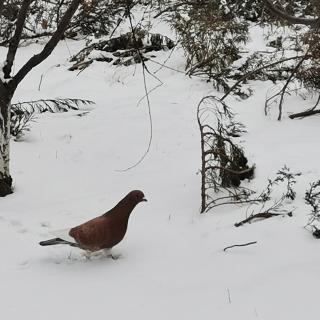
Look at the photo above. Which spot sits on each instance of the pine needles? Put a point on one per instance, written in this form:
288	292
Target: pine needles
22	113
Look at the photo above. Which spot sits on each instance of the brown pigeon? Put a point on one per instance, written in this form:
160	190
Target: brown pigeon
102	232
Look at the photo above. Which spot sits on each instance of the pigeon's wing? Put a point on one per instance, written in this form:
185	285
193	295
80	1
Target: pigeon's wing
94	234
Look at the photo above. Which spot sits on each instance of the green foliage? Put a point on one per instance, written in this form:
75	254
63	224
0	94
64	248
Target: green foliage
211	40
97	17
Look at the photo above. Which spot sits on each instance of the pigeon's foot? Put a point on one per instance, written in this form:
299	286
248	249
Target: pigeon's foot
114	256
108	254
104	253
87	255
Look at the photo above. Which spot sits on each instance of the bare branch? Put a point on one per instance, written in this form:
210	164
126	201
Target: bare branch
279	13
56	37
245	76
177	5
260	215
303	114
60	4
307	113
14	42
28	37
285	89
229	170
146	96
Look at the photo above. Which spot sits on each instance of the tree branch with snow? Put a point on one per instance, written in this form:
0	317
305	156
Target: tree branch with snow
14	43
280	13
47	50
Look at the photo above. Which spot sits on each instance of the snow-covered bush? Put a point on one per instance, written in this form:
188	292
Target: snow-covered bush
124	50
23	113
96	18
223	162
312	198
211	38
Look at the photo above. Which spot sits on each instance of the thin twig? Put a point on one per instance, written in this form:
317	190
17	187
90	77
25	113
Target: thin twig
304	114
144	70
229	170
307	113
177	5
48	48
318	101
261	215
240	245
245	76
283	90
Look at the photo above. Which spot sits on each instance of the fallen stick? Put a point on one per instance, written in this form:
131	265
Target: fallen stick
303	114
240	245
261	215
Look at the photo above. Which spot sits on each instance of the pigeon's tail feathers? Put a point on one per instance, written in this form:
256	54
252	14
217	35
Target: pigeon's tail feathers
62	234
55	241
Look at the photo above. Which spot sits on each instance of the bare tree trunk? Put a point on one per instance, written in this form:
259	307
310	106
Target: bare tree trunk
14	42
5	178
8	87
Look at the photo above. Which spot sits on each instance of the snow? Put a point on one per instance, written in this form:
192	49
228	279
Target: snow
172	264
1	71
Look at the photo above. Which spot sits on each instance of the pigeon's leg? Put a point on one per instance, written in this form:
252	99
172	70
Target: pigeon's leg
106	251
87	255
103	253
109	254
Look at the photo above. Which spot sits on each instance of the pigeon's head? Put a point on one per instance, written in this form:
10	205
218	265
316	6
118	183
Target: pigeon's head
136	196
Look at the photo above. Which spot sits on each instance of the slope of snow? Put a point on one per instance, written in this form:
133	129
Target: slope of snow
68	169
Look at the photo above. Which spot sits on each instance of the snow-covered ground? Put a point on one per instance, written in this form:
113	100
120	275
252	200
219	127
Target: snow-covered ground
172	266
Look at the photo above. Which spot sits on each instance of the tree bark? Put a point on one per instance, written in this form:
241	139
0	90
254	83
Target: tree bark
14	42
5	104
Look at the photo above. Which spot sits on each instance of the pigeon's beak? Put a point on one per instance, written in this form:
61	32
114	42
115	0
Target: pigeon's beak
144	199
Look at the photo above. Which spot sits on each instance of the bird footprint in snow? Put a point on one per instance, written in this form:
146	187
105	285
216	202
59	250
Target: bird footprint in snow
24	264
15	223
